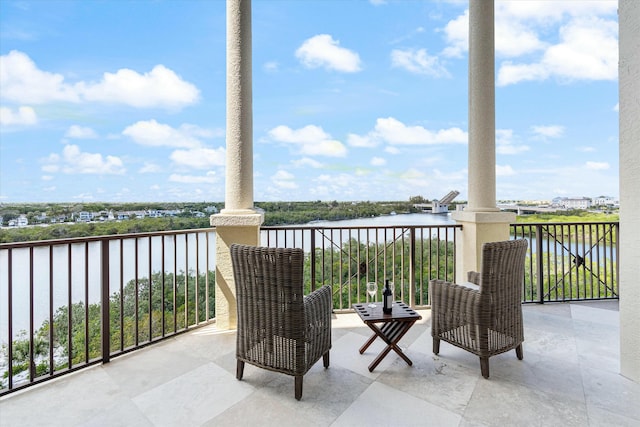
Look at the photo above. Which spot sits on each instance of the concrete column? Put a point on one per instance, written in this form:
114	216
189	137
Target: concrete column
239	167
238	222
481	220
629	87
482	108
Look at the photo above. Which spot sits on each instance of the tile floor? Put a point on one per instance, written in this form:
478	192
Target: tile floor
569	377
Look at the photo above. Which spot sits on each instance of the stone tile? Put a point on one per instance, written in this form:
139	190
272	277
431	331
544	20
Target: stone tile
444	383
345	353
69	400
382	405
327	393
152	366
192	398
611	392
121	412
499	403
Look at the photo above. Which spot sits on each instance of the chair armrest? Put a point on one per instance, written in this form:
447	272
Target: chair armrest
318	306
459	304
473	277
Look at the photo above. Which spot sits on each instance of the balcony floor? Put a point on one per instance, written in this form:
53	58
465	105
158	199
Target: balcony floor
569	377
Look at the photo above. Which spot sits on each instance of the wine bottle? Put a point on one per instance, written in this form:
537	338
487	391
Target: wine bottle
387	298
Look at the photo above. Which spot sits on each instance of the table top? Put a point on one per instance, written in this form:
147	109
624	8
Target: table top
400	312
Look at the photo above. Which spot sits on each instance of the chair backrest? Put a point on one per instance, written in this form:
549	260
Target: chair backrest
269	289
502	273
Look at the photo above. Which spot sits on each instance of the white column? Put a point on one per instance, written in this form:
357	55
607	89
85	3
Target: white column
482	110
481	220
238	222
629	87
239	167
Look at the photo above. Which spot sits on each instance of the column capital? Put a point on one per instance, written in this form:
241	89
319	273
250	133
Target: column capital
237	218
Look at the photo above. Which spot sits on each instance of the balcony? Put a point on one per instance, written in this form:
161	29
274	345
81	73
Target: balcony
569	376
74	303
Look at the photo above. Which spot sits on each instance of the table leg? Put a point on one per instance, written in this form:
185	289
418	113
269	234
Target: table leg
391	333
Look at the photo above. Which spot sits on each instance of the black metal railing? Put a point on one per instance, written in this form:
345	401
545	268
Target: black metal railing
570	261
75	302
348	257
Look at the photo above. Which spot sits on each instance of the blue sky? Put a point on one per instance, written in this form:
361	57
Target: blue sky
120	100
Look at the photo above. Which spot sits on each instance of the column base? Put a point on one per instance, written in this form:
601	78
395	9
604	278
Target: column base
231	228
477	229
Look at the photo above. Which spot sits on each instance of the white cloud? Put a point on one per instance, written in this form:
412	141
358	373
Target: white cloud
22	116
46	177
80	132
209	178
161	87
457	35
585	47
74	161
271	66
418	62
154	134
505	145
362	141
378	161
323	51
22	81
149	167
553	131
393	131
588	50
597	165
505	170
311	140
199	158
284	179
307	162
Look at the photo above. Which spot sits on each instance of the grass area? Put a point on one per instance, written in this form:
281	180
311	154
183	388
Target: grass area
569	216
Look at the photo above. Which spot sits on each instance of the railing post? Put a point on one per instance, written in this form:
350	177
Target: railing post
539	267
412	267
104	291
312	259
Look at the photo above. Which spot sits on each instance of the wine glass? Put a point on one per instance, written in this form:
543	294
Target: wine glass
372	289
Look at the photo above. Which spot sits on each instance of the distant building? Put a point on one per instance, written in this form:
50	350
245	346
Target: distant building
576	203
605	201
22	221
84	216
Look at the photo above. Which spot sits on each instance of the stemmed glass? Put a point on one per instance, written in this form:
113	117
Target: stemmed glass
372	289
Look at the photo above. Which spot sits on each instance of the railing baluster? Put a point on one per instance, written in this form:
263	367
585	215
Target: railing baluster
104	298
32	363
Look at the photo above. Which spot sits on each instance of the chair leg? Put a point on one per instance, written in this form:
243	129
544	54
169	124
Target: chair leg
519	352
239	369
436	345
484	366
325	359
298	387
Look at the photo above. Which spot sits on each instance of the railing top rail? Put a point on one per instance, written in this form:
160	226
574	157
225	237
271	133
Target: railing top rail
72	240
525	224
356	227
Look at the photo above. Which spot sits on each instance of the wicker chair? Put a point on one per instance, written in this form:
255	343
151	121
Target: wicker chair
279	328
488	320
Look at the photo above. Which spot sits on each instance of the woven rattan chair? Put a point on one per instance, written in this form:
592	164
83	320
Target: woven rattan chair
279	328
488	320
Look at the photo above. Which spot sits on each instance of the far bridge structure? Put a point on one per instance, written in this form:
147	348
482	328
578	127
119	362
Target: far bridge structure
438	206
